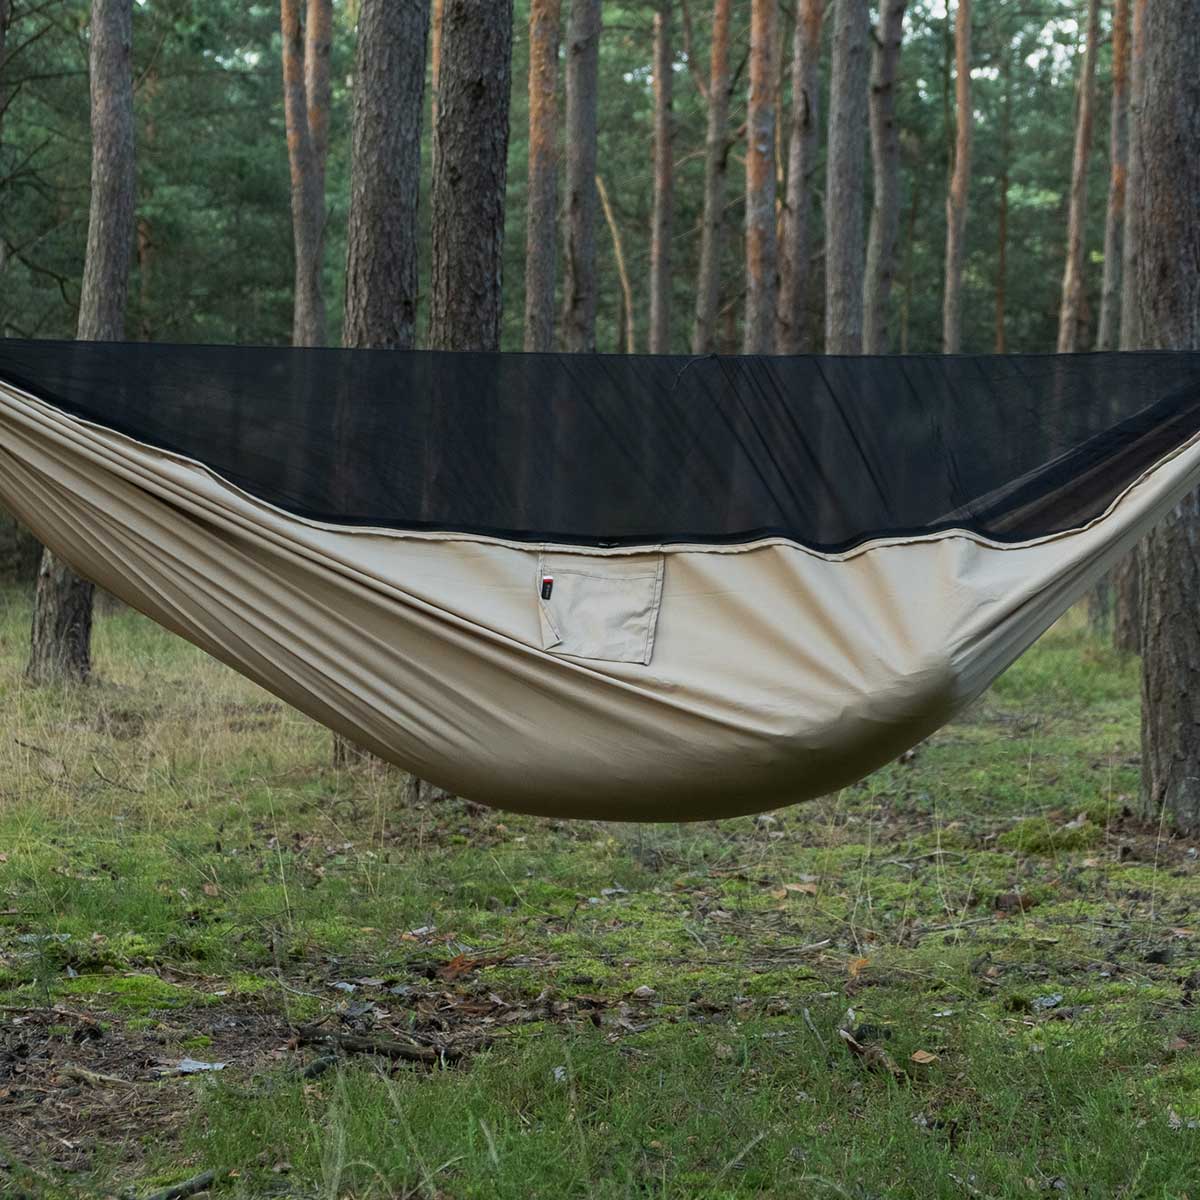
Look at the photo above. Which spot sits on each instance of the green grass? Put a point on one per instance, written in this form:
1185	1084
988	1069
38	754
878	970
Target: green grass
179	862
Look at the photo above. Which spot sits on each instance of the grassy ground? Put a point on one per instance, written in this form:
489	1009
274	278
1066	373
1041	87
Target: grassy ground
610	1011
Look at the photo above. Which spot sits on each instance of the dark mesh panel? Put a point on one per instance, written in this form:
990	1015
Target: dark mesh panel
609	449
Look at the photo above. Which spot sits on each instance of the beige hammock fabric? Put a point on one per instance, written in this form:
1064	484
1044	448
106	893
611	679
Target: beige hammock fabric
666	682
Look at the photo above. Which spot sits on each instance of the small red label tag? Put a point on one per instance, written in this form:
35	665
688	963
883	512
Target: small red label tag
547	586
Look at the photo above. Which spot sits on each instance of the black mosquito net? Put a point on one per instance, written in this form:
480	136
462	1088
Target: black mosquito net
599	450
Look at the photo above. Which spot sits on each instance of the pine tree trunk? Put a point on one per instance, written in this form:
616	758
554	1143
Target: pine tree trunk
761	253
381	237
956	196
1127	614
541	228
845	179
1169	292
1114	224
664	184
795	245
1071	318
579	276
60	649
306	93
436	24
469	173
884	235
716	156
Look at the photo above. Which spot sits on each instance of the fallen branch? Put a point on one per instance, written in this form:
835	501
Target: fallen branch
355	1043
92	1079
177	1191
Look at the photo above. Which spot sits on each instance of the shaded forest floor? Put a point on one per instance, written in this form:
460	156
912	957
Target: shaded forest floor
441	1001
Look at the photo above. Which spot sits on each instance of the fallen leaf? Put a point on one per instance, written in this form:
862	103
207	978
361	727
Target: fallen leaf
855	965
805	888
644	993
1178	1043
211	889
923	1057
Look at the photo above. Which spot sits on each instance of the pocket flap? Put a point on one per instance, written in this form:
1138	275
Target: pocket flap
600	606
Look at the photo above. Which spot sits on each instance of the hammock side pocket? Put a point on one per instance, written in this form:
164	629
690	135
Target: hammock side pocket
599	606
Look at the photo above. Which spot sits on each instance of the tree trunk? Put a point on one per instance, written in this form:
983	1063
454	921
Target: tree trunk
579	282
956	196
761	255
716	157
664	184
844	178
1114	223
1071	318
1169	292
306	92
382	243
1130	334
1127	614
541	232
381	237
469	173
884	235
1002	187
435	59
795	245
60	649
627	330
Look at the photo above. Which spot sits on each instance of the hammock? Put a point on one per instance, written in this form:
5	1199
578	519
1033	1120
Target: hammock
637	588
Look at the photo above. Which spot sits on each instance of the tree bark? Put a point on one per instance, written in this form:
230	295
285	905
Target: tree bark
381	237
1118	165
844	178
1072	318
795	245
1127	614
469	174
761	252
884	234
664	184
716	156
956	196
1130	334
1169	293
541	232
60	643
610	217
435	59
306	93
579	282
382	247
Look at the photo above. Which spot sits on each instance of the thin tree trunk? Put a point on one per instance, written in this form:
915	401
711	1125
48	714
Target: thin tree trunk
435	59
627	335
541	232
1127	585
716	156
884	235
795	244
1114	225
845	178
1071	318
664	184
1169	293
5	18
306	92
956	196
381	238
60	643
761	254
910	242
469	174
1002	187
579	281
